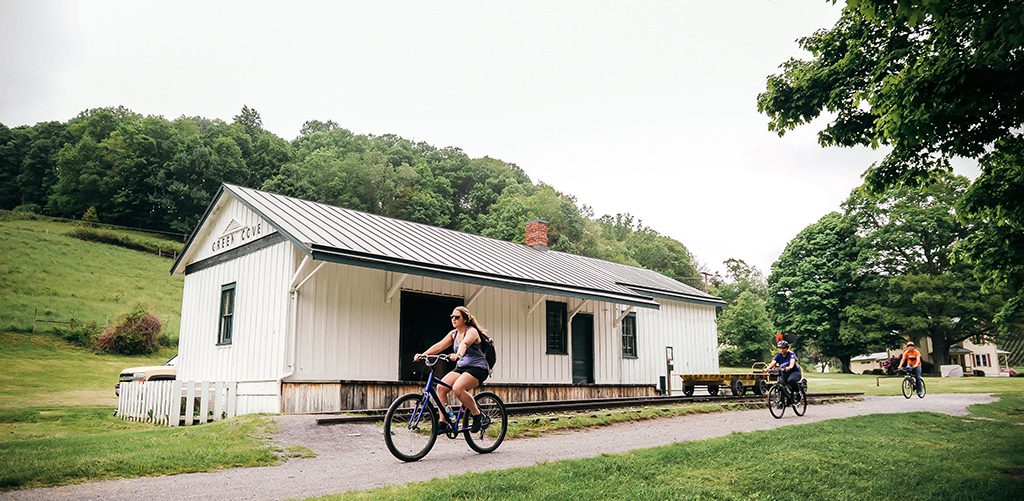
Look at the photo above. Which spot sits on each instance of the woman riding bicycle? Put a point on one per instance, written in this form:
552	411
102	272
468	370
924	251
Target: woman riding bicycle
471	369
911	362
790	370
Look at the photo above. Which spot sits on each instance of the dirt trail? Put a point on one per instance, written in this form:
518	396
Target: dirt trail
353	457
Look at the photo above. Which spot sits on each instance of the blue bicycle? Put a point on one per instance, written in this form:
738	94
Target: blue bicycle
410	426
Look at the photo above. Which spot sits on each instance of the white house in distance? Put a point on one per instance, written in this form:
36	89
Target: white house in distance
314	308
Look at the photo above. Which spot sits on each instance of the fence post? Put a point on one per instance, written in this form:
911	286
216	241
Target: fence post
35	316
175	402
190	401
131	400
232	390
165	409
218	400
204	402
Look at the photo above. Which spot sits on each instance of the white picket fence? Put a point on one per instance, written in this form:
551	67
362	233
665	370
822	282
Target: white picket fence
177	402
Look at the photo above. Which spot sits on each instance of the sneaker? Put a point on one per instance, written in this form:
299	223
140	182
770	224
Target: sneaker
477	421
442	427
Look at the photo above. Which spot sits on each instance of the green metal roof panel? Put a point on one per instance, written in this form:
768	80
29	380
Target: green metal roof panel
354	236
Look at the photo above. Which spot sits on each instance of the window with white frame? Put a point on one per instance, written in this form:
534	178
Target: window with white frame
629	336
227	314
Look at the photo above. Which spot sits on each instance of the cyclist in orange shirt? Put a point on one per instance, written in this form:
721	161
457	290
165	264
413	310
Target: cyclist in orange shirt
912	357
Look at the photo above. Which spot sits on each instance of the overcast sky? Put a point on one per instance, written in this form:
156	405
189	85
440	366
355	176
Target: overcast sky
646	107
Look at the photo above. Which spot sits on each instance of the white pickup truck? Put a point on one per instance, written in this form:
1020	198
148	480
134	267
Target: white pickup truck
166	372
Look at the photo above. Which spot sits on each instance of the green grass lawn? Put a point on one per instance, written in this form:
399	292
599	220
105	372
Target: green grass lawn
875	385
42	371
57	424
63	278
57	400
535	425
868	457
59	445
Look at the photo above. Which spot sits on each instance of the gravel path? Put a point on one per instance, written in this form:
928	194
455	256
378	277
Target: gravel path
351	457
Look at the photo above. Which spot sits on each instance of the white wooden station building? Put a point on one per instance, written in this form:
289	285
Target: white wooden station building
314	308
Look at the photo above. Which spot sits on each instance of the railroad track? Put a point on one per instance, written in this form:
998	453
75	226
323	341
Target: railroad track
520	408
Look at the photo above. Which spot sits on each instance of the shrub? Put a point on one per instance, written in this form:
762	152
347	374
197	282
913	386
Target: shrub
166	340
877	372
29	208
83	335
979	373
866	371
134	333
90	215
730	357
154	245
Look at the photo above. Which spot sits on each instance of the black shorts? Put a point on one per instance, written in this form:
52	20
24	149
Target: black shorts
478	373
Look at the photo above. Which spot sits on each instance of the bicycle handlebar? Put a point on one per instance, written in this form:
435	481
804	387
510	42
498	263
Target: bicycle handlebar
430	360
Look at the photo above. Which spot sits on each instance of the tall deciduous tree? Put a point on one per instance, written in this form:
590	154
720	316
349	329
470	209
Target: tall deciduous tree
932	80
744	326
814	283
908	235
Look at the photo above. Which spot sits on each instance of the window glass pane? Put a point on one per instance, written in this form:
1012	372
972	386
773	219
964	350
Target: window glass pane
227	311
229	301
629	336
557	328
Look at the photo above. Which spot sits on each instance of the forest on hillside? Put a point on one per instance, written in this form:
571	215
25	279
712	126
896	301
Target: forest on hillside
123	168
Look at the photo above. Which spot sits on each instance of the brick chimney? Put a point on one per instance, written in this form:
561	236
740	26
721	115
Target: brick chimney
537	234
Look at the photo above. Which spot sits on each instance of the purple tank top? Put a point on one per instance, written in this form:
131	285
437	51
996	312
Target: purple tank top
474	355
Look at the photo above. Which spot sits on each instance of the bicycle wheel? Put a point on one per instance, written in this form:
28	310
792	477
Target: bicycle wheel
776	402
800	406
923	391
495	421
908	387
410	427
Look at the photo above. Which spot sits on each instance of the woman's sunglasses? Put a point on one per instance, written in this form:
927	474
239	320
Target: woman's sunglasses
456	316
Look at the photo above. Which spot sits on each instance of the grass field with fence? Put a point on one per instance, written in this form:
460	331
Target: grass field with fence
48	278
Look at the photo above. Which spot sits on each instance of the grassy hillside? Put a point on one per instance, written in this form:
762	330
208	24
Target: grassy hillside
63	277
40	370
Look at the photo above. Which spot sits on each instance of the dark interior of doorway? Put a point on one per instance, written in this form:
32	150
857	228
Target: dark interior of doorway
583	349
425	319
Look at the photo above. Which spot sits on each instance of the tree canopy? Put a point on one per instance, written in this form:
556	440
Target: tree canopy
153	173
930	81
814	284
882	271
744	326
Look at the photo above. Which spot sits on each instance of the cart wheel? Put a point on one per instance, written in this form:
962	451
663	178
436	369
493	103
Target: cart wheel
688	390
760	387
737	388
712	389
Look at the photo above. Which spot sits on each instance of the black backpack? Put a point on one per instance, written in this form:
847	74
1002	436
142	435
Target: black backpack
487	346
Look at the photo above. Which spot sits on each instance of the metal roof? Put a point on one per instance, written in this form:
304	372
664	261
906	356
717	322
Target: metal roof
347	236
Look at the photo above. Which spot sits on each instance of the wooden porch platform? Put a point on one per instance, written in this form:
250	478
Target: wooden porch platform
308	397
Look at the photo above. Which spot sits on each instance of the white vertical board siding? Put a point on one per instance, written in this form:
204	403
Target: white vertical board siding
347	331
258	332
690	329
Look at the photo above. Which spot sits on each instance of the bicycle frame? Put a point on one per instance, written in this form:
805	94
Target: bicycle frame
428	392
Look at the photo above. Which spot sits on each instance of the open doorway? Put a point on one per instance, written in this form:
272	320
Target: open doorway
583	348
425	319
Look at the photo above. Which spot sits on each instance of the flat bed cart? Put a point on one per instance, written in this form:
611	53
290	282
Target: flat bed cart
739	383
